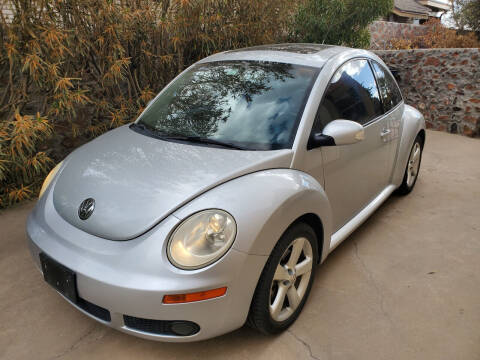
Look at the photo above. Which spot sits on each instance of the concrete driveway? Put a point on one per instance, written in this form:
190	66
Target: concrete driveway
406	285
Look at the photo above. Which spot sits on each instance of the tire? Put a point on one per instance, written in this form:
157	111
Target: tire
413	168
266	315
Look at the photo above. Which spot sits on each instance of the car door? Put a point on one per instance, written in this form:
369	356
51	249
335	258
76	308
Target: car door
354	174
392	106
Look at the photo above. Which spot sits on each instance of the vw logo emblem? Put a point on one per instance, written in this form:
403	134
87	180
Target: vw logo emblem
86	208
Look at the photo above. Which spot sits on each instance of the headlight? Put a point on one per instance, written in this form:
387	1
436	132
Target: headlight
49	178
201	239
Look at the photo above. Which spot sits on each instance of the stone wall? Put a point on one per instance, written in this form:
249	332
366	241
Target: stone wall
444	84
382	32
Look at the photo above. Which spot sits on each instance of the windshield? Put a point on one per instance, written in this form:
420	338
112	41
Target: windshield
248	104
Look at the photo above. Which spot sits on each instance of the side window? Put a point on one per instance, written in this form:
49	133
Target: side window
389	90
351	95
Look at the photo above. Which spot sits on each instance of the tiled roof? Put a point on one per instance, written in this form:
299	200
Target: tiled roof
411	6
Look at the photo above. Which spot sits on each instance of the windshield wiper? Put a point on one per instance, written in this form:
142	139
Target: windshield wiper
193	139
200	140
140	127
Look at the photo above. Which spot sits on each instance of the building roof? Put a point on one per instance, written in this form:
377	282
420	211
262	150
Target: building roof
410	8
437	5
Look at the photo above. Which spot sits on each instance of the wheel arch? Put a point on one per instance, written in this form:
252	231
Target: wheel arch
413	124
422	135
314	221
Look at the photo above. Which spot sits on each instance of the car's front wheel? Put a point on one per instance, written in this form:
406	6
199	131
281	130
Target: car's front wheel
285	281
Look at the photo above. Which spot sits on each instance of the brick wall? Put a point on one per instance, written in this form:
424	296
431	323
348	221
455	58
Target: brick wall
382	32
444	84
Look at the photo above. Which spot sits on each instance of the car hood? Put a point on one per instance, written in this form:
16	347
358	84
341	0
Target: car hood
136	181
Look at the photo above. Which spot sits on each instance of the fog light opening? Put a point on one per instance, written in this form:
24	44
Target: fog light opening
184	328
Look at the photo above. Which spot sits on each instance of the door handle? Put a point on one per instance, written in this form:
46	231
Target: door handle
385	132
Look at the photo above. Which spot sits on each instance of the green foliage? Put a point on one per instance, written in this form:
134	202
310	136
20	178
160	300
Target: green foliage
76	68
338	22
466	14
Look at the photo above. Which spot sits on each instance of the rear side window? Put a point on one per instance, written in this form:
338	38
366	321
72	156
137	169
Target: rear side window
351	95
389	90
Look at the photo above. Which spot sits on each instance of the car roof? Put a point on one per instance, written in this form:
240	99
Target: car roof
302	54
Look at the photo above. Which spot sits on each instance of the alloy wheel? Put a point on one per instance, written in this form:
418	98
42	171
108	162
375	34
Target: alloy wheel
413	164
291	279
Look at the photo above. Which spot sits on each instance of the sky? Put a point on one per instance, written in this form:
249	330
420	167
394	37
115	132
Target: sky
447	20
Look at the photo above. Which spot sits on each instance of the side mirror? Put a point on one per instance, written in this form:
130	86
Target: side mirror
338	132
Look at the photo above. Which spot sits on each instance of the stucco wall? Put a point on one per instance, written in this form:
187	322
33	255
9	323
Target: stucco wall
444	84
382	32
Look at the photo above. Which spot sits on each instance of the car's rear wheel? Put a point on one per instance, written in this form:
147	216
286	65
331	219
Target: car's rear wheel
413	167
285	281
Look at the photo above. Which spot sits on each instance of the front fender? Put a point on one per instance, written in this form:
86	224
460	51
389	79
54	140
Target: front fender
412	123
264	204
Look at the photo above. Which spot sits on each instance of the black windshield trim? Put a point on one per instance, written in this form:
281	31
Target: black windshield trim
308	92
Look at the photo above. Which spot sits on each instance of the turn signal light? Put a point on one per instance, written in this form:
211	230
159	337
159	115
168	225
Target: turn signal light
196	296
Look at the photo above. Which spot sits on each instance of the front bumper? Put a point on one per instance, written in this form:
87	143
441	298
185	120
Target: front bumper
130	278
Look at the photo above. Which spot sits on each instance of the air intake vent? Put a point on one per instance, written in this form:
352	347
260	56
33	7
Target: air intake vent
94	310
162	327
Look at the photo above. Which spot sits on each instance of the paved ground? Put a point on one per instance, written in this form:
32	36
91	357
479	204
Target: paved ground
406	285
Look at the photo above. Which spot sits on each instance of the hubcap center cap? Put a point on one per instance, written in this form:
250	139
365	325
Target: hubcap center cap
292	276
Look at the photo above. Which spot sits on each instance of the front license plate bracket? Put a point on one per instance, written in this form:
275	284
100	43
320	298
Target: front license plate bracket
59	277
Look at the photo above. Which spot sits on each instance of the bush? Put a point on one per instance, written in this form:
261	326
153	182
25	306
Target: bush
338	22
437	36
466	14
22	163
76	68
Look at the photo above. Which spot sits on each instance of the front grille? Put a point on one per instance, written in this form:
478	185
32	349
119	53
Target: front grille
92	309
162	327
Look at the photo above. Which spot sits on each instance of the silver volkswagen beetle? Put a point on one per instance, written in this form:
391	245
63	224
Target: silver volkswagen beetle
213	208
